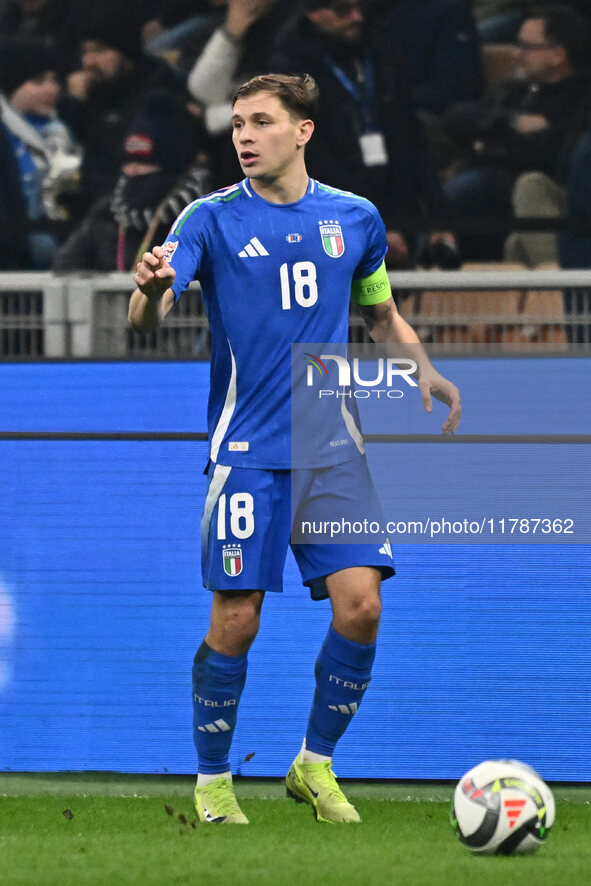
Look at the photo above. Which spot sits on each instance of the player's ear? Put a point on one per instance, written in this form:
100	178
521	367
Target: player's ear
305	130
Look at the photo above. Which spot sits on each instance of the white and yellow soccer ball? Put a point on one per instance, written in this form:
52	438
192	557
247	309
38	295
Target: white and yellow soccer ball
502	807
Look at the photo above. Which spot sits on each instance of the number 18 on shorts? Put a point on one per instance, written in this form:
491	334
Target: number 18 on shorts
247	526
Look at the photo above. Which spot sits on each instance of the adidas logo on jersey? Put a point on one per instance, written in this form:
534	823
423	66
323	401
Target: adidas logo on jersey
253	249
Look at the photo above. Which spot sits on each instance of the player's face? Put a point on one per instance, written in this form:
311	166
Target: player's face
267	138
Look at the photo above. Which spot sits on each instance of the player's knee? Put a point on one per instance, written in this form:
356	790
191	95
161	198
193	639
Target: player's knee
363	613
235	624
242	624
369	612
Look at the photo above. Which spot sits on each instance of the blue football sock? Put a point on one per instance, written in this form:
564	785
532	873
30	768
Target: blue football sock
343	672
218	681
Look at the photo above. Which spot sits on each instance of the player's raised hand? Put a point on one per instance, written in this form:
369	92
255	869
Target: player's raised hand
153	274
432	384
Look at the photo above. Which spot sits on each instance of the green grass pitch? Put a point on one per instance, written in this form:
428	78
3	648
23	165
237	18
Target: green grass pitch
103	829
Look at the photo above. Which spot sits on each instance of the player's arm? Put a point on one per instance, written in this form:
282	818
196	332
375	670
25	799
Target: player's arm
153	298
373	297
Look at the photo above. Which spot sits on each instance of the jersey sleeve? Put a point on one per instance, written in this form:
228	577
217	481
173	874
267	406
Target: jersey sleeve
376	243
184	247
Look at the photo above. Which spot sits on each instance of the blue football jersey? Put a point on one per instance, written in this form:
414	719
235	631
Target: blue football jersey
271	275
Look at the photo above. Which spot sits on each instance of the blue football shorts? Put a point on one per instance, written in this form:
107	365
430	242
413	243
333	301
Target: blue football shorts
247	526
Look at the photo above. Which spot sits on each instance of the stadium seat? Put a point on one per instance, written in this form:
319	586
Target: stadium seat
497	309
476	316
494	266
546	309
540	317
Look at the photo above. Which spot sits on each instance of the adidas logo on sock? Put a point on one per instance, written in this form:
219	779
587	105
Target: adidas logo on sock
216	726
344	708
253	249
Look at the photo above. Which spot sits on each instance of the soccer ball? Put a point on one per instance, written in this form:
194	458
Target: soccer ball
502	807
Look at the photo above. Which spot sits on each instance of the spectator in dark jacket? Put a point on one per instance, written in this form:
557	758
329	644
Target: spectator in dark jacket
574	241
441	47
524	125
162	170
14	248
499	20
104	94
368	138
53	21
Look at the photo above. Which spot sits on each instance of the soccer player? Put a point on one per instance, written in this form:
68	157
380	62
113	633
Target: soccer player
271	275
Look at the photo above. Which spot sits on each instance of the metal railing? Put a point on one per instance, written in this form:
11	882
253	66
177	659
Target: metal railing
33	309
506	310
46	316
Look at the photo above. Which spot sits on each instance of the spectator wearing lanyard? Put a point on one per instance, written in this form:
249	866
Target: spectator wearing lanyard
368	138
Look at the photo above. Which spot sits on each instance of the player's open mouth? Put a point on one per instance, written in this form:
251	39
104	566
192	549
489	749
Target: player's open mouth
247	157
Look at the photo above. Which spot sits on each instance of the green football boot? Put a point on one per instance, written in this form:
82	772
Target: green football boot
216	803
315	783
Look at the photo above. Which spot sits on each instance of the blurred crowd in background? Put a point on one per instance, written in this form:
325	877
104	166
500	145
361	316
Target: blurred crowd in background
458	119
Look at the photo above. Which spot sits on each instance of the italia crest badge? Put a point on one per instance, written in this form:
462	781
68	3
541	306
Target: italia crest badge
232	557
331	234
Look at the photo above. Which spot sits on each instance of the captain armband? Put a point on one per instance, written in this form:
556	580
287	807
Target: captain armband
373	289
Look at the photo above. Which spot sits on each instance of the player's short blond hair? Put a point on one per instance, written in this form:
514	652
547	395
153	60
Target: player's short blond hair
298	94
